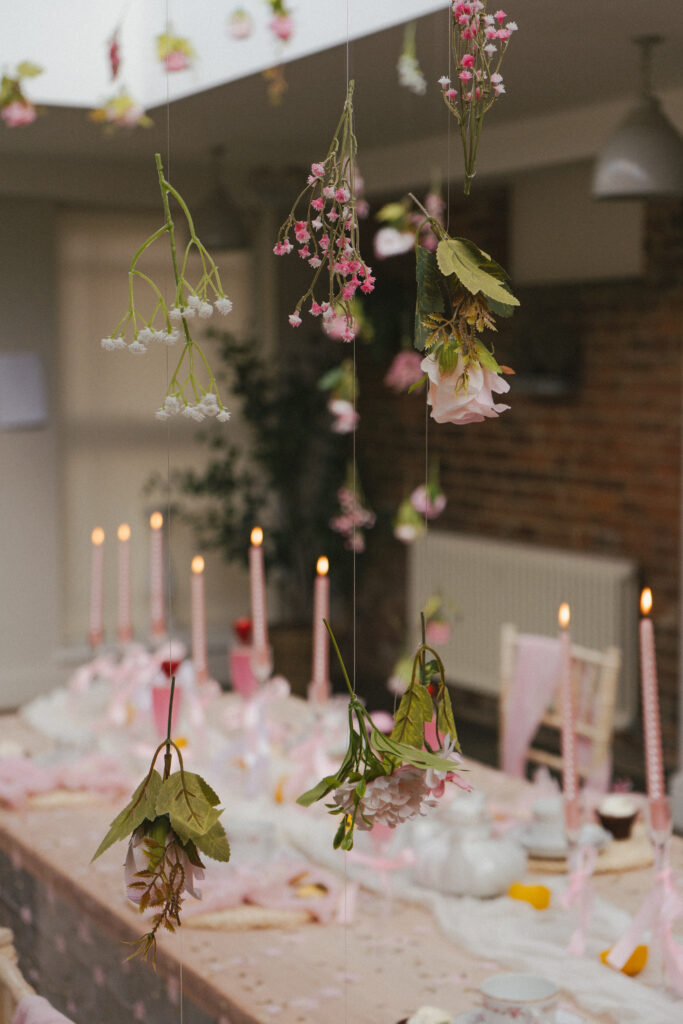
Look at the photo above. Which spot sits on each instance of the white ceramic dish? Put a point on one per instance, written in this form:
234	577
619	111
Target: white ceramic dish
546	842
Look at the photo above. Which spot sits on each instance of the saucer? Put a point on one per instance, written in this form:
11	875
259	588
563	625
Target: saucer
551	844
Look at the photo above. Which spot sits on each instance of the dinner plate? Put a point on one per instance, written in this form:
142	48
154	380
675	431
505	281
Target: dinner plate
549	844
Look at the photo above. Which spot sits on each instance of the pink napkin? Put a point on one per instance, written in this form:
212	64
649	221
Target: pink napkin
20	777
36	1010
532	689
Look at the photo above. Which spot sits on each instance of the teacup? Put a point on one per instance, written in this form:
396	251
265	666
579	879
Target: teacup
522	998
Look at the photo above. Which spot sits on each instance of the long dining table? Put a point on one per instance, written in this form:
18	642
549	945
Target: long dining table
71	921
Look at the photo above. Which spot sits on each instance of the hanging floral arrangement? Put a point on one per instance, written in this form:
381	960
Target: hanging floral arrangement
240	24
176	53
281	23
479	42
170	820
15	108
409	71
429	499
353	518
322	227
408	524
342	383
386	780
460	291
193	389
121	111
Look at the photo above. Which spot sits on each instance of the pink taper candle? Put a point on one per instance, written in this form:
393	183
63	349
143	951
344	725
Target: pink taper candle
96	583
156	576
125	630
198	615
259	626
570	783
319	689
658	804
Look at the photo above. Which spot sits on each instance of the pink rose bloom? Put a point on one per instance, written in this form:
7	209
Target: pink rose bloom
17	113
176	61
337	327
282	25
404	371
426	506
391	242
451	404
437	633
346	418
240	24
389	799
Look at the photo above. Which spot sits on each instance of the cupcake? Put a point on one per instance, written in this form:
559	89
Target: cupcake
617	813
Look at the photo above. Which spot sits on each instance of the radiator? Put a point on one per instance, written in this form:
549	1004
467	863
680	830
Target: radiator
490	582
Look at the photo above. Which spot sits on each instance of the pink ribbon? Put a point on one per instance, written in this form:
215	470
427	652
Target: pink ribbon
579	893
659	910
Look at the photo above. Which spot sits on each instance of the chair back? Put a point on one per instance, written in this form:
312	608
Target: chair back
13	986
595	675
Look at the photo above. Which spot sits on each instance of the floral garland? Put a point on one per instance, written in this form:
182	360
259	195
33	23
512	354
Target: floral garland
186	394
170	820
15	108
386	780
327	231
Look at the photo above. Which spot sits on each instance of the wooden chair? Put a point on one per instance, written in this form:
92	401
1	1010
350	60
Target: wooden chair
595	675
13	986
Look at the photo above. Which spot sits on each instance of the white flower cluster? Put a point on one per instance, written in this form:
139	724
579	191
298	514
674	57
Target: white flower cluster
141	340
389	799
205	408
410	74
197	306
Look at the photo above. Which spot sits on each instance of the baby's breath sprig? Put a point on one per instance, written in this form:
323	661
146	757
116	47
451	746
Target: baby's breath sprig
186	393
478	44
326	231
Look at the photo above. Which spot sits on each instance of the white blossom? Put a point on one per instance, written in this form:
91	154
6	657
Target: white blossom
205	310
410	75
223	305
444	81
194	302
161	414
137	347
172	404
193	412
146	335
223	416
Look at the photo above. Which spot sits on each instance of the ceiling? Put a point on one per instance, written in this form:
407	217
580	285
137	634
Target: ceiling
563	56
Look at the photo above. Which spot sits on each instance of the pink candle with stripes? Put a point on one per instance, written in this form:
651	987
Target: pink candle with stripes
320	683
654	767
198	616
96	634
257	581
570	780
125	628
156	576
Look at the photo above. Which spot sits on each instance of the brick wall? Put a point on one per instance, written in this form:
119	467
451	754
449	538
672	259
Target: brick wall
595	470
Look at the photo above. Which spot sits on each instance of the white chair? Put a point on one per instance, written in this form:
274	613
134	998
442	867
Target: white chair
595	675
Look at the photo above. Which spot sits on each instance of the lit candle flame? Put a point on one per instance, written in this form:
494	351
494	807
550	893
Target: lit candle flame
563	615
97	536
123	532
156	520
323	566
646	601
197	564
257	536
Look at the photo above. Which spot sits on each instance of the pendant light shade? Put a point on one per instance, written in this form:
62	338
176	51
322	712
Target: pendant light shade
643	159
217	219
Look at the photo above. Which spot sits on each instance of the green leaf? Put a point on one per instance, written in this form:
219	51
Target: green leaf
28	70
142	806
324	787
486	358
210	793
499	308
414	710
476	271
448	359
331	379
214	843
444	718
192	813
418	383
429	298
408	754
